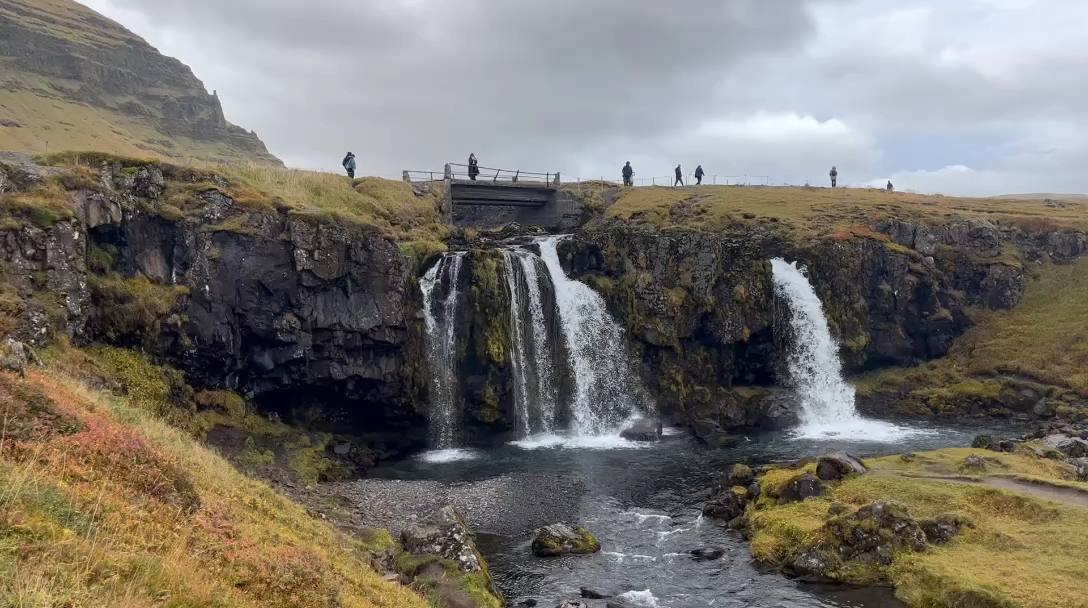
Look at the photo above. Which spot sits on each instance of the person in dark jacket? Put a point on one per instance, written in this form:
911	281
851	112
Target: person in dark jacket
473	167
834	177
679	176
628	173
699	175
349	165
891	188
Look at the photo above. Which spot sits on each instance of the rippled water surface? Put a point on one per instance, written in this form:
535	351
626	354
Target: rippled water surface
643	502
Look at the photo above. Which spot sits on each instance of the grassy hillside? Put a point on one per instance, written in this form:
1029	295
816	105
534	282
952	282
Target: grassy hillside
1041	345
70	79
1023	548
824	211
103	504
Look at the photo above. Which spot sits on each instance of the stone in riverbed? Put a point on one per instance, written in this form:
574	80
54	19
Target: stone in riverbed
707	554
801	487
561	539
712	434
738	475
728	504
593	594
643	429
837	465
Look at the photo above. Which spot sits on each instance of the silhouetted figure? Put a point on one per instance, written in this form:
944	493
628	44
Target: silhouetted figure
890	186
473	167
699	175
349	165
628	173
679	176
834	177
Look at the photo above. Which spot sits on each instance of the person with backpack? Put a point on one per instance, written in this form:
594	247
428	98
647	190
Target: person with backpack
473	167
699	175
834	177
628	174
349	165
679	176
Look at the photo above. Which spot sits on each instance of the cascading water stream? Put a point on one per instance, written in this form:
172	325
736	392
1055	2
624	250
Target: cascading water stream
815	370
535	382
441	298
606	390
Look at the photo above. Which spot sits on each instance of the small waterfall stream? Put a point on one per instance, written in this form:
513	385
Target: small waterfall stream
606	388
814	367
535	381
441	300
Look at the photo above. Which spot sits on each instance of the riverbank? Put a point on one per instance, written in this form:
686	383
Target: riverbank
952	527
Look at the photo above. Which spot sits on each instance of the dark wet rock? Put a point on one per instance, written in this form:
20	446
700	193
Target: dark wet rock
837	465
446	535
779	411
711	433
707	554
593	594
643	429
810	563
727	504
941	529
985	442
561	539
738	523
738	475
754	490
1071	447
614	605
801	487
529	603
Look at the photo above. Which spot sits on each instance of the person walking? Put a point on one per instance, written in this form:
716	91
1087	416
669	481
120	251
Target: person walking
891	188
834	177
473	167
699	175
349	165
679	176
628	174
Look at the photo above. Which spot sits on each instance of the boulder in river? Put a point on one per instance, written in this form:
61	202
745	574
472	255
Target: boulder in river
801	487
738	475
728	504
561	539
707	554
837	465
643	429
712	434
593	594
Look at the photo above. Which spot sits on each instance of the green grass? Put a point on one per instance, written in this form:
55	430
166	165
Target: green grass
1023	551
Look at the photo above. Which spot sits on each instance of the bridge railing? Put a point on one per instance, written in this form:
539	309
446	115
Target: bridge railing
486	174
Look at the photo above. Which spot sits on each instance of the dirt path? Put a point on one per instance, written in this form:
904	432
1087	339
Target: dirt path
1038	489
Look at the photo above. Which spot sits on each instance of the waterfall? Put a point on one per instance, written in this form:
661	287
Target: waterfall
606	390
535	381
441	298
814	367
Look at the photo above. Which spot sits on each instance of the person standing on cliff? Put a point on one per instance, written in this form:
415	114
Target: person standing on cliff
699	175
834	177
473	167
349	165
628	174
679	176
891	188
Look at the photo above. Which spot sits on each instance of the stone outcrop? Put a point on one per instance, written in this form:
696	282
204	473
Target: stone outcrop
562	539
442	560
837	465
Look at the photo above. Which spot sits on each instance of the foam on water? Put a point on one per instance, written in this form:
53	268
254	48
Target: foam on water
450	455
639	599
584	442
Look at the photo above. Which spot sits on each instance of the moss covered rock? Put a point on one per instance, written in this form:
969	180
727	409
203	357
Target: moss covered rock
560	539
441	559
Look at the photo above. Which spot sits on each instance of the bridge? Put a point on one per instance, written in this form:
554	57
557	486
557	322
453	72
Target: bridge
502	196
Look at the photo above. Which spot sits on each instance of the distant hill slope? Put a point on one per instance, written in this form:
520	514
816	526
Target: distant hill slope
1041	196
71	79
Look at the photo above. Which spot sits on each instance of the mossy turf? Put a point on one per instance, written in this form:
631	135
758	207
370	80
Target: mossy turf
1023	551
103	504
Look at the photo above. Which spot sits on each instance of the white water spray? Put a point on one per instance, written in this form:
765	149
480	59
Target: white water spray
606	391
535	382
440	319
815	370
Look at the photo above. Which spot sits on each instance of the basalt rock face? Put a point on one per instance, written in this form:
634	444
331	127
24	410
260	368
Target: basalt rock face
701	308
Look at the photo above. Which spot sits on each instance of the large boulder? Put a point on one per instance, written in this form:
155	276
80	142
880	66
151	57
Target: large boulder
643	429
14	355
738	474
728	504
446	535
448	564
801	487
876	531
836	465
712	434
1071	447
562	539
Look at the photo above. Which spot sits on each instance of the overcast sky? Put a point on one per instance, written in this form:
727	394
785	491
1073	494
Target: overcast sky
974	97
